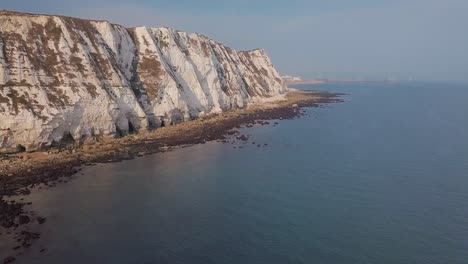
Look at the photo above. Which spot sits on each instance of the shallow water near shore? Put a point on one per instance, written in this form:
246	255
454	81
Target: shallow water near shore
380	178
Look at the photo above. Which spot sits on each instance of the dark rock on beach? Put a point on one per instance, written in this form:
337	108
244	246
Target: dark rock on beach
23	219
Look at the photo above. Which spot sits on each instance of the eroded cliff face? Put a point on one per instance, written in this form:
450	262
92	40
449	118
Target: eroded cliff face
68	77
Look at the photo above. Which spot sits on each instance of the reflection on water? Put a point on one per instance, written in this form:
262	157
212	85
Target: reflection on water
378	179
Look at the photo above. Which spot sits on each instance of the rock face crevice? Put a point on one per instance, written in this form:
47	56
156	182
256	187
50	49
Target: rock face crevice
83	78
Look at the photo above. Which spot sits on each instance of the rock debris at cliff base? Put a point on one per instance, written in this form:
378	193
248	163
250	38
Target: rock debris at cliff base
31	169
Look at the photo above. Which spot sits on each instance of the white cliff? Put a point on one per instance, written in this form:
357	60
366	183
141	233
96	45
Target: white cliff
62	76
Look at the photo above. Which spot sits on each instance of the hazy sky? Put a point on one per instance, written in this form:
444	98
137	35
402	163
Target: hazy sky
426	39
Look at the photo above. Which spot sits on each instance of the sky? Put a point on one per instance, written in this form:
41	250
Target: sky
335	39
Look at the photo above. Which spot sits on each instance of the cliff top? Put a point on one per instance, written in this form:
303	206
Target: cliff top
4	12
15	13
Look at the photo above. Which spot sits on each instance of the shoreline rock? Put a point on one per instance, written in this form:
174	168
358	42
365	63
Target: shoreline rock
19	176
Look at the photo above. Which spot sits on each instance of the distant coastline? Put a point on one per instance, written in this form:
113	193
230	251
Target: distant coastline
311	81
322	81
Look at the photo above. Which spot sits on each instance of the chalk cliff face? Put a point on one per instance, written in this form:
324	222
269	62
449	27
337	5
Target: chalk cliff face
62	76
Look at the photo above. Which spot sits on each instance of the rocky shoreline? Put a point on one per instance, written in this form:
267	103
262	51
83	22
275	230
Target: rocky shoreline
23	172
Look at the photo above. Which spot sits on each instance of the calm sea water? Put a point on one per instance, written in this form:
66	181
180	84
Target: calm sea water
381	178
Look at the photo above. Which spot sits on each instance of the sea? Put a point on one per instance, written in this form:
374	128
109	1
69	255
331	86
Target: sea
379	178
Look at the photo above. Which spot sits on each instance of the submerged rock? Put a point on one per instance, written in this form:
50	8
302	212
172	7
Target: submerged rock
8	260
243	138
41	220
